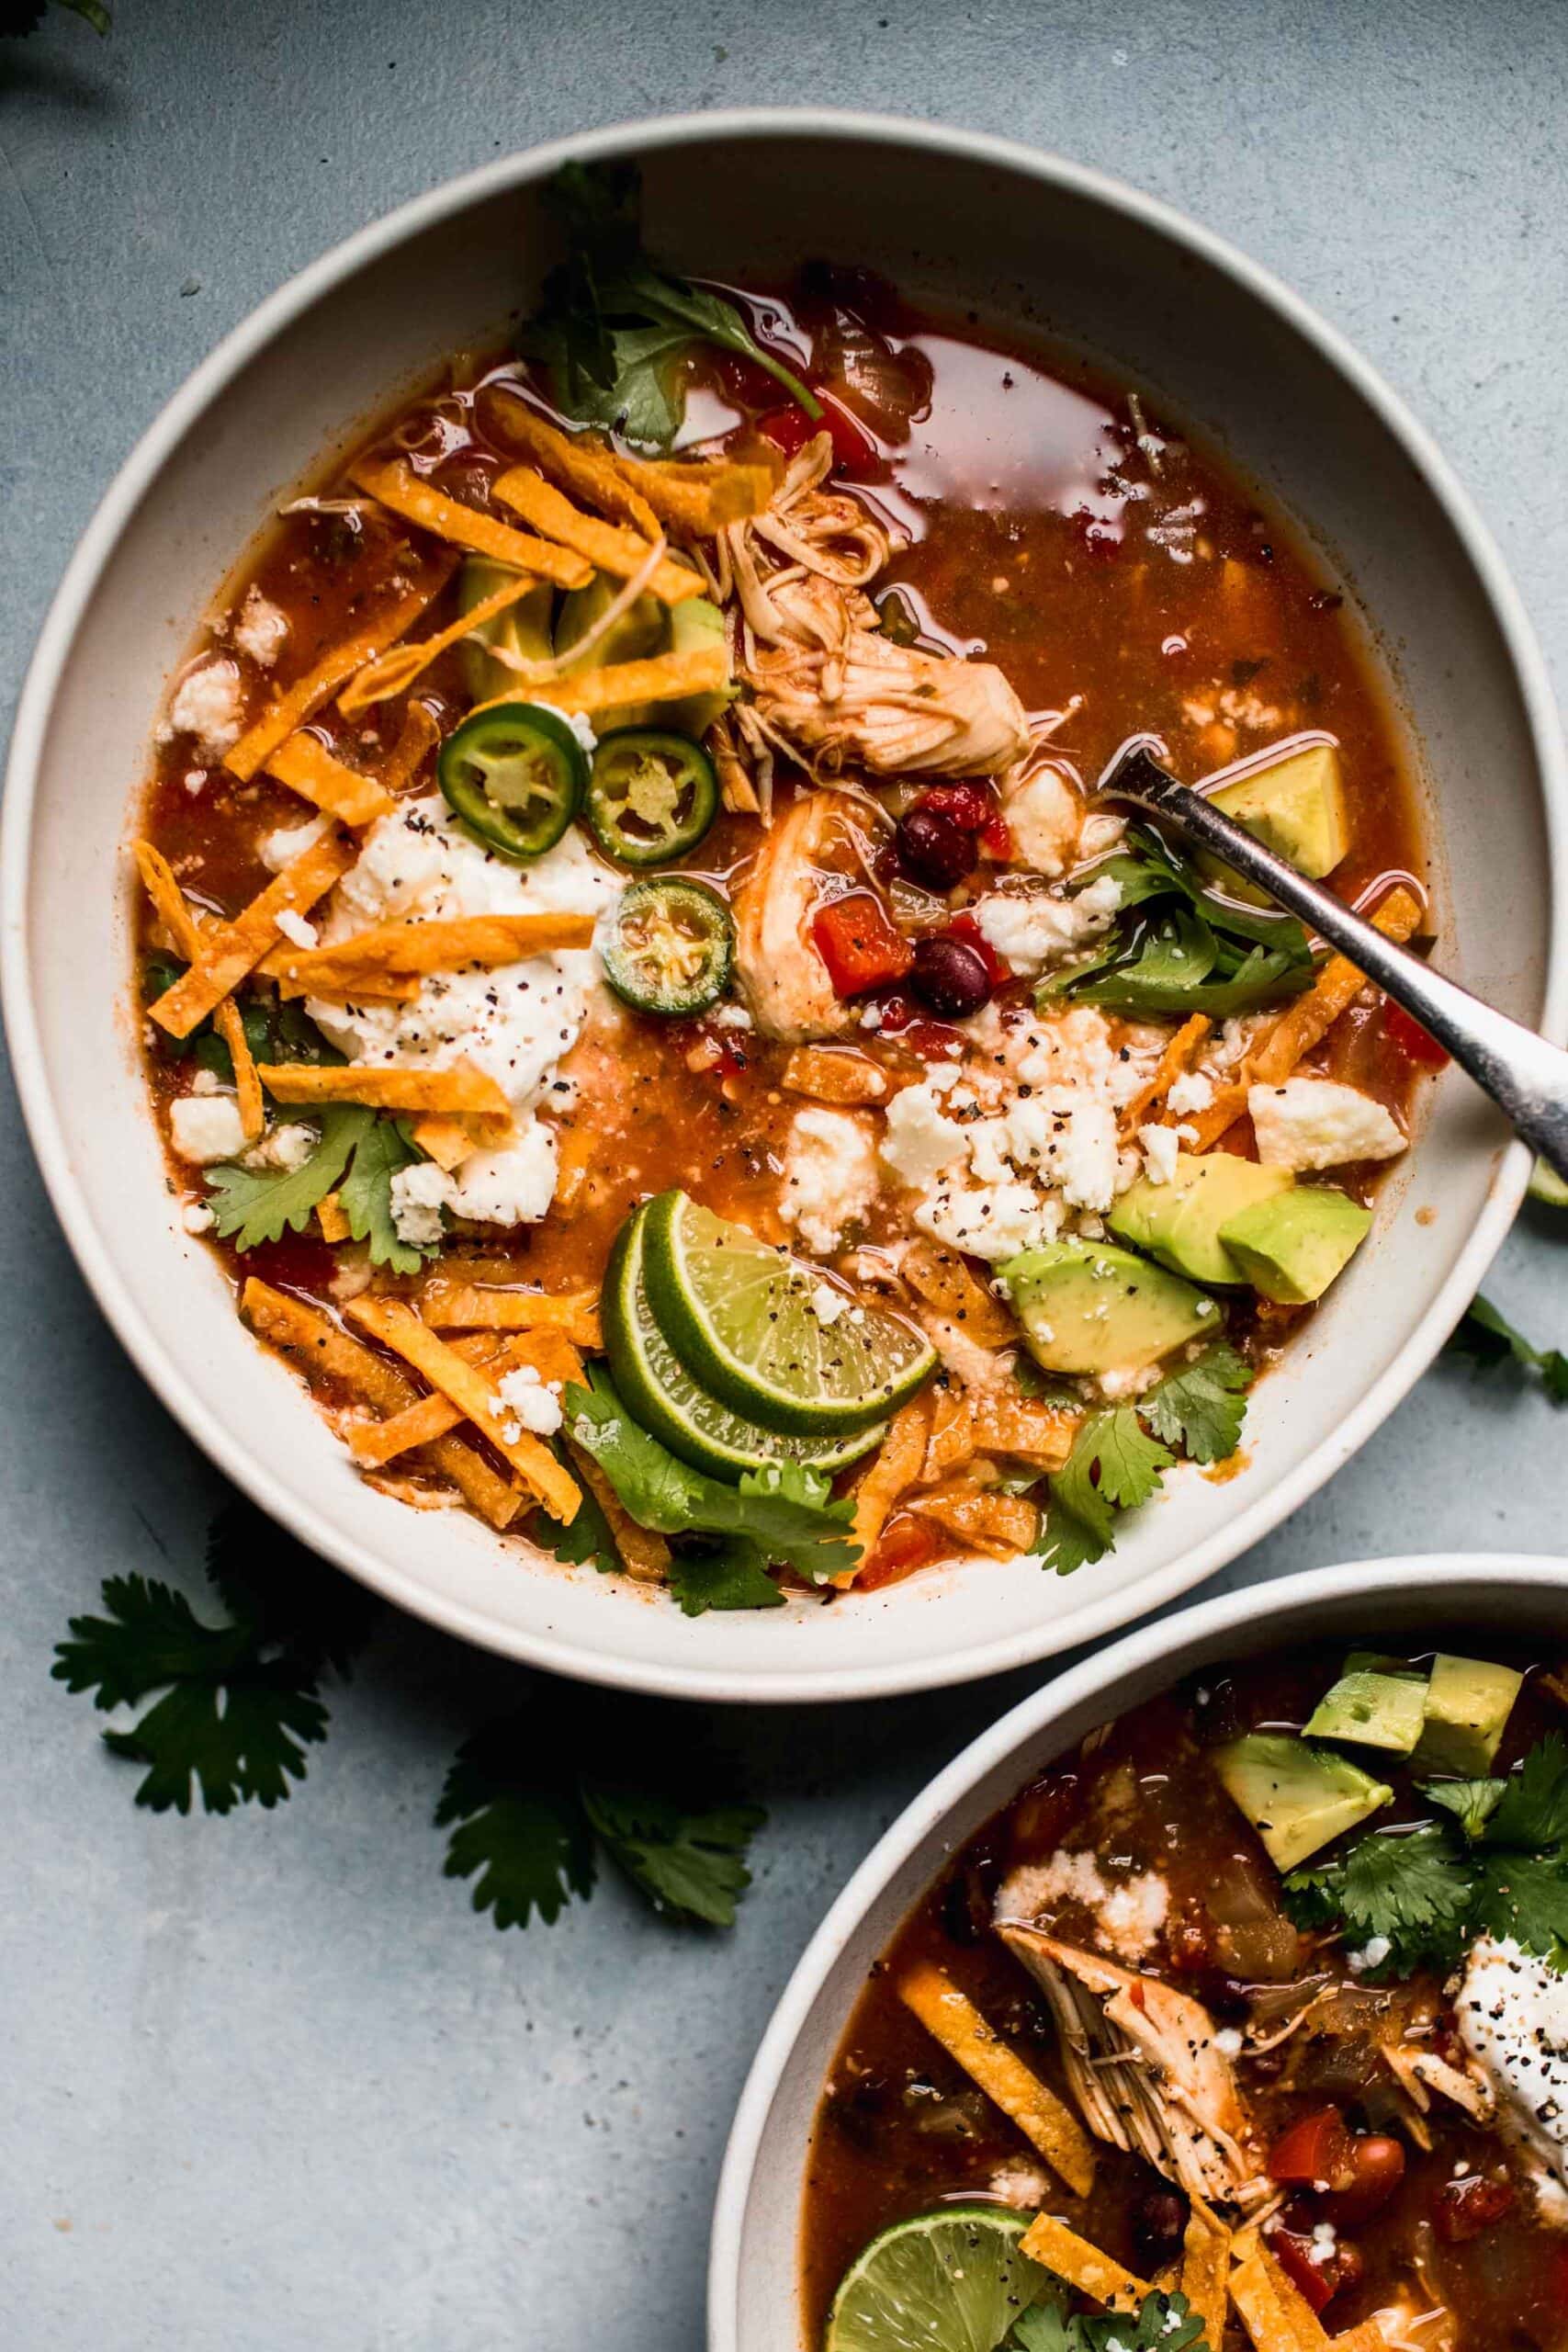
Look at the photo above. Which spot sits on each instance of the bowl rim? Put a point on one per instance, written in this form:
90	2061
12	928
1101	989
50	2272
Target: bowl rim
181	1394
1171	1638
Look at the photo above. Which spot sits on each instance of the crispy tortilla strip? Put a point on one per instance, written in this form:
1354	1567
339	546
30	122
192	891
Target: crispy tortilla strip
1040	1434
1176	1059
986	2059
418	735
892	1470
404	948
1000	1525
477	1396
185	928
397	486
337	665
644	1555
1275	2316
1081	2265
1303	1025
830	1076
367	988
303	763
553	1358
330	1216
941	1277
461	1088
620	553
701	495
466	1306
394	672
664	677
575	462
230	950
950	1442
446	1141
1206	2272
318	1346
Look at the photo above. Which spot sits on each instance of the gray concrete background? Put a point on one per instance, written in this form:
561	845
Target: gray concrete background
268	2083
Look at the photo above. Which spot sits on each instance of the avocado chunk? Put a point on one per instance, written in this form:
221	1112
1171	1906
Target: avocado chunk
1088	1307
637	635
1296	807
1370	1709
1297	1797
523	629
1179	1222
1291	1247
1468	1705
694	622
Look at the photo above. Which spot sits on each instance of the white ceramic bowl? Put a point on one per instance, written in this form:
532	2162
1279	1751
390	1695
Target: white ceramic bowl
971	222
754	2298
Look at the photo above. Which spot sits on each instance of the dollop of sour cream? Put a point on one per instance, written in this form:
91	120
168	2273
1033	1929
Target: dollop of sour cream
1512	2018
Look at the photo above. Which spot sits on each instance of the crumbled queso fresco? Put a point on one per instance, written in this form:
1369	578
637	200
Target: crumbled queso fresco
1128	1912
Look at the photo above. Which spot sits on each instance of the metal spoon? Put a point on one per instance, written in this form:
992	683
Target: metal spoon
1526	1078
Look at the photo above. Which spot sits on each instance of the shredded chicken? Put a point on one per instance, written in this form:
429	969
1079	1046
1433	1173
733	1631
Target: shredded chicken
783	979
1420	2072
1144	2065
826	689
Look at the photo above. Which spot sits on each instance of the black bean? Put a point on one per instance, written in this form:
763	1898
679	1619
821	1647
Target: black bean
950	976
933	850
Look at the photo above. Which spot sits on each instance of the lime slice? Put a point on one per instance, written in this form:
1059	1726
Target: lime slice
659	1391
747	1321
952	2280
1547	1185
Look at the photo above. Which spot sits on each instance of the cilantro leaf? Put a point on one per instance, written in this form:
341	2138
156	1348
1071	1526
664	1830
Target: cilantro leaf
613	326
256	1204
586	1537
1132	1463
733	1576
786	1511
1410	1889
283	1594
237	1737
1114	1466
1526	1896
689	1865
1485	1338
366	1194
519	1824
1472	1802
151	1636
1165	2322
1532	1806
1202	1406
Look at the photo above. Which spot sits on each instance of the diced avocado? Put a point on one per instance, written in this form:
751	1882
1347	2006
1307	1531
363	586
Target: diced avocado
1468	1705
523	629
640	632
1379	1662
1291	1247
1371	1709
694	622
1296	807
1089	1308
1178	1222
1296	1797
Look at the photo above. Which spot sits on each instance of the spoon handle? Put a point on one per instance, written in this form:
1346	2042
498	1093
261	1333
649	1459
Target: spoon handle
1526	1078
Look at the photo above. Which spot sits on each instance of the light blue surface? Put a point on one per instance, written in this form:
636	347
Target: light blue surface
268	2085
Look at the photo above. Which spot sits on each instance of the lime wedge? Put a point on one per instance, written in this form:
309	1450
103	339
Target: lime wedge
1547	1185
766	1335
952	2280
659	1391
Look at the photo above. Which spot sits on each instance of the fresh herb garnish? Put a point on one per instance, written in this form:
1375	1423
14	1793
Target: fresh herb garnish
533	1829
1165	2322
786	1512
614	326
366	1194
1116	1463
1487	1339
240	1700
1498	1863
733	1576
1181	947
357	1154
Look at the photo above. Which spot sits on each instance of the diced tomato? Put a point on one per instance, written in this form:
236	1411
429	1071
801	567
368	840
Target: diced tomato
932	1040
788	428
853	447
968	806
858	942
1418	1045
996	839
1315	2150
1317	2281
1377	2164
966	928
896	1012
1463	2209
907	1544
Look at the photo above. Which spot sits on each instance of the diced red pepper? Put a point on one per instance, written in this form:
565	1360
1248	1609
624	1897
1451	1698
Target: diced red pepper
860	945
1316	2281
853	447
965	927
1418	1045
1315	2150
968	806
1463	2209
907	1544
932	1040
996	841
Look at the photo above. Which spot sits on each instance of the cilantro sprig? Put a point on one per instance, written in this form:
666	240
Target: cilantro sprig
357	1153
1121	1454
614	326
1498	1862
1163	2322
1488	1341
